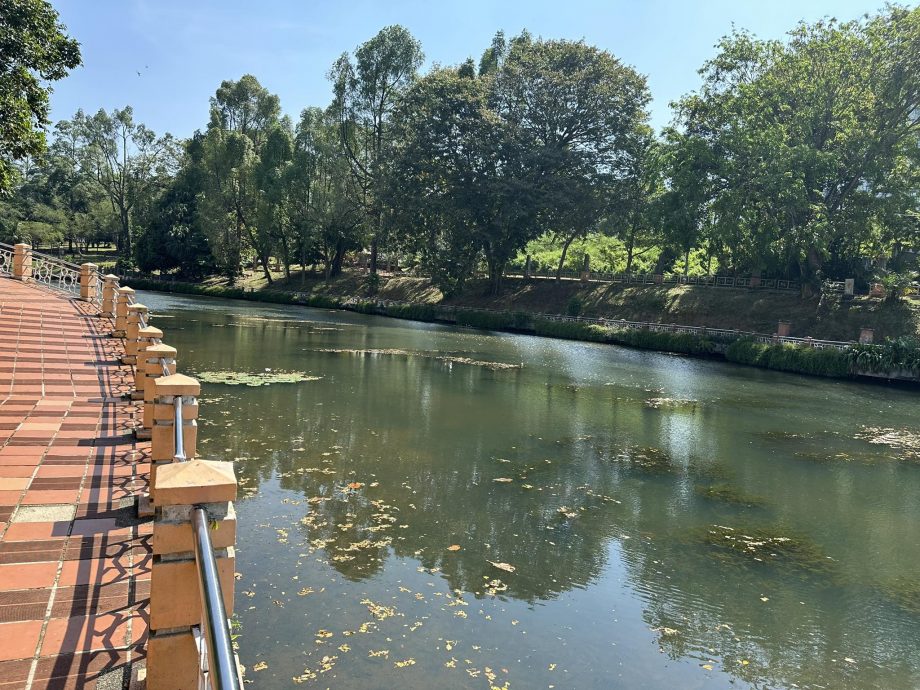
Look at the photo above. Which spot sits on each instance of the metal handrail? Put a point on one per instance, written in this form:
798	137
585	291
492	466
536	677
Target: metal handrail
179	455
219	669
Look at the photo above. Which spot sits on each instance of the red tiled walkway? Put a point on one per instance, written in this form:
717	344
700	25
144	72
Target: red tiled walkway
74	557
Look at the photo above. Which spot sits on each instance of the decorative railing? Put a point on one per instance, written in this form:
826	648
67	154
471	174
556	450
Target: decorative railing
24	263
450	313
750	282
6	259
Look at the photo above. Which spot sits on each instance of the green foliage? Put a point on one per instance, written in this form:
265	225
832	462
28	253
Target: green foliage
493	320
372	283
416	312
889	356
686	343
794	358
33	49
571	330
575	306
801	154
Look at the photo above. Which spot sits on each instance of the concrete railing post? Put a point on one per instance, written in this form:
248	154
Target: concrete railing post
136	313
153	360
866	335
124	297
163	431
145	338
109	295
783	329
22	261
175	601
88	273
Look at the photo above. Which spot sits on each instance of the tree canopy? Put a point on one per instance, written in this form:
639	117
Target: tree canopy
34	50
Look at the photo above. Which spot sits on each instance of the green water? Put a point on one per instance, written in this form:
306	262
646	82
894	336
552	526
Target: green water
672	523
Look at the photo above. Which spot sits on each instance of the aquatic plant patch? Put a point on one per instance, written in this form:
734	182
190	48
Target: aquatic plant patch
264	378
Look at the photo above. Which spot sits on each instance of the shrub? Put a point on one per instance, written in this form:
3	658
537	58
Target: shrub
490	320
417	312
799	359
573	330
888	356
575	306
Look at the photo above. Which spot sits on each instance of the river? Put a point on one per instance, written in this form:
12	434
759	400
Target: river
443	507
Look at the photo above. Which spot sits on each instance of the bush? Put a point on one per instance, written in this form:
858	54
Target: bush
886	357
575	306
417	312
573	330
798	359
494	320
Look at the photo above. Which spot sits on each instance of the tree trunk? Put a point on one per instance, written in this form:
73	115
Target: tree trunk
373	261
268	274
496	271
337	258
565	250
630	246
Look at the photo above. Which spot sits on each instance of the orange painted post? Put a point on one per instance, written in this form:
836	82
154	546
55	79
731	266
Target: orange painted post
124	297
163	431
155	359
145	338
109	295
88	273
175	601
137	312
22	261
783	329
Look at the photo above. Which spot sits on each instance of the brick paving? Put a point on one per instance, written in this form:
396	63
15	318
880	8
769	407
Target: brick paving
74	557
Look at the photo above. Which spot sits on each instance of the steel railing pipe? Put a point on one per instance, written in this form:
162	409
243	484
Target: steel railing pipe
222	671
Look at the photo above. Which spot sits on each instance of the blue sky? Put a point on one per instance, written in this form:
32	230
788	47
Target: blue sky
183	49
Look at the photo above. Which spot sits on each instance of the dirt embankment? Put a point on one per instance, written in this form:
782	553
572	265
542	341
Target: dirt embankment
829	317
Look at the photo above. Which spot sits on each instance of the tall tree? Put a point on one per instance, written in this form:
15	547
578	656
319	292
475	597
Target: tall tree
33	49
242	114
366	92
800	141
127	160
583	110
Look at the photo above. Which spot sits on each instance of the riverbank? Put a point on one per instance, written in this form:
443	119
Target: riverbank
836	359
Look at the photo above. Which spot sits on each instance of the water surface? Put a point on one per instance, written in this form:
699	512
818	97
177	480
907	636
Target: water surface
670	522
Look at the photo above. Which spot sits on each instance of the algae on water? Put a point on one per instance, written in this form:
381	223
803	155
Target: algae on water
264	378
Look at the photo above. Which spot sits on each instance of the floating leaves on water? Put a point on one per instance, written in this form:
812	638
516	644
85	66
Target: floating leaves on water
503	480
404	663
261	666
767	546
904	440
453	547
677	404
507	567
354	486
379	611
265	378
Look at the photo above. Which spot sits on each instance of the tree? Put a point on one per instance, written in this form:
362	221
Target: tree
801	142
242	114
324	201
172	236
33	49
127	160
584	111
366	92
